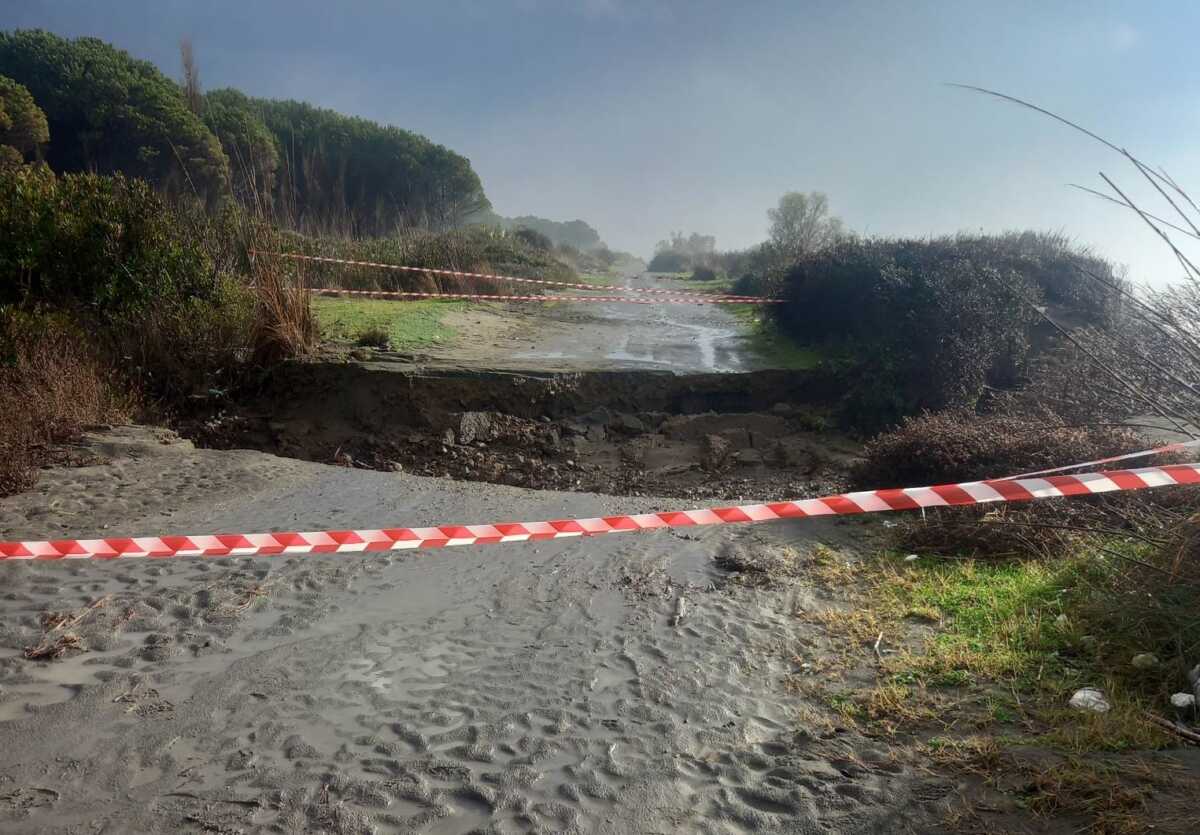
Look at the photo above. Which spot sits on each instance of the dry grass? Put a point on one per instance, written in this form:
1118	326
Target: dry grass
284	325
52	386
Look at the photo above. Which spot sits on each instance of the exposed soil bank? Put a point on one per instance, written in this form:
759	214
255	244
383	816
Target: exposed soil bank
759	434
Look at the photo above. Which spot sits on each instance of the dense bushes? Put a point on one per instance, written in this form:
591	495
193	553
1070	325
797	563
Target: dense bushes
958	445
105	245
669	262
926	324
52	383
474	249
151	286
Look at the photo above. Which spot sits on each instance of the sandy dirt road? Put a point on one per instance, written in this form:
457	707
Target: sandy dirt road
603	335
545	687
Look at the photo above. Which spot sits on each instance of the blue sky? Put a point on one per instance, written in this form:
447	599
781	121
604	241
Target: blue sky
643	117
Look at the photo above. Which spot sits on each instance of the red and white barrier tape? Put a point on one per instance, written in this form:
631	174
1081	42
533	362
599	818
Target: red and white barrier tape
392	539
401	294
1145	453
545	282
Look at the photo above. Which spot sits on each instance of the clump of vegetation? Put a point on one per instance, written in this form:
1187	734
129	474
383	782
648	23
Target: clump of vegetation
374	337
475	249
929	323
23	127
960	445
52	384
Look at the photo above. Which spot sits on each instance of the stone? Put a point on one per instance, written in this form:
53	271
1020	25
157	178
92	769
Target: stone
475	426
714	452
1183	701
596	433
600	416
448	437
1144	661
629	424
1089	698
750	457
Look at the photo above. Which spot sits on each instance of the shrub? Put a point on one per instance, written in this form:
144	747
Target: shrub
534	239
103	245
957	445
375	337
152	283
703	274
669	262
927	323
52	383
473	249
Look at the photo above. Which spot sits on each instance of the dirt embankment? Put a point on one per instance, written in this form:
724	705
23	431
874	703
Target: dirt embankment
762	434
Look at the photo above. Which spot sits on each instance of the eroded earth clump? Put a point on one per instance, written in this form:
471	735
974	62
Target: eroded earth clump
762	435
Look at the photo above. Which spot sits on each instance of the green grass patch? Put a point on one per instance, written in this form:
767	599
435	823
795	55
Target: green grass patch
1029	633
775	347
407	324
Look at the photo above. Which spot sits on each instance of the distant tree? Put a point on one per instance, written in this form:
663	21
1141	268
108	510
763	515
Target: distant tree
344	172
801	225
191	77
252	148
110	112
23	127
681	252
535	239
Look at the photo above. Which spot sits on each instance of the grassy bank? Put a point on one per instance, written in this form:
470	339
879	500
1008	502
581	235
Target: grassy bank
969	666
775	347
405	324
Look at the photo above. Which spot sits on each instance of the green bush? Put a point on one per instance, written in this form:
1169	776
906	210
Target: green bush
473	249
927	323
669	262
105	245
136	274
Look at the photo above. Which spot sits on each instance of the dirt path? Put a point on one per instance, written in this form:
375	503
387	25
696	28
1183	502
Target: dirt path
544	687
685	338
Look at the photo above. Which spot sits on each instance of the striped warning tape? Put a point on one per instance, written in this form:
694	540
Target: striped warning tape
542	281
403	294
1145	453
392	539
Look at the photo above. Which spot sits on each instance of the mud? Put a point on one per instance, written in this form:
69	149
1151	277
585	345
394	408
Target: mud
617	684
621	432
563	337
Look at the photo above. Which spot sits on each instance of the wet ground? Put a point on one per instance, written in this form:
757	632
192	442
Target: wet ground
678	337
684	338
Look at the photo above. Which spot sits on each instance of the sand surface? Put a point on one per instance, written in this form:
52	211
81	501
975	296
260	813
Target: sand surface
549	687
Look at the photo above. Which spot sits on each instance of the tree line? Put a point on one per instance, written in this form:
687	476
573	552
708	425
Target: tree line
104	111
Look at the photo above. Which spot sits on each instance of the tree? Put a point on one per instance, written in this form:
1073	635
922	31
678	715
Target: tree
801	225
23	128
109	112
251	147
191	77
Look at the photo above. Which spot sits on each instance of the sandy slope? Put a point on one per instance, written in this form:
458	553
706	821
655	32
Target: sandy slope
522	687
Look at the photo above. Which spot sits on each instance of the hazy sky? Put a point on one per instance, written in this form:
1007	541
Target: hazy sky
643	117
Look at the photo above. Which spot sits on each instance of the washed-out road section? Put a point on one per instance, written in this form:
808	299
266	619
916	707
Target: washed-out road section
603	335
